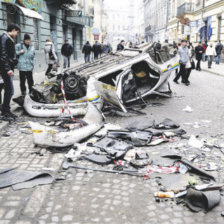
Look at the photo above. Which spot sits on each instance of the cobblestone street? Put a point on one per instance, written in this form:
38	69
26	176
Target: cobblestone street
92	197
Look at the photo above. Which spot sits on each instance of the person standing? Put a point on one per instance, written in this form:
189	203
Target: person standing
199	50
96	50
205	45
210	53
107	48
26	53
101	49
86	50
50	55
8	61
1	88
66	52
218	48
120	46
176	46
184	57
189	63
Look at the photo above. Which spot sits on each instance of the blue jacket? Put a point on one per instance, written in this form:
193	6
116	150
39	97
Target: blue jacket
26	60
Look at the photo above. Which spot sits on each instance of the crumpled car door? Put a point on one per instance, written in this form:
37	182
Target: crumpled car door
125	86
111	93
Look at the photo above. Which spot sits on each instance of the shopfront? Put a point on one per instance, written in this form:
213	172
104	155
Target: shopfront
25	13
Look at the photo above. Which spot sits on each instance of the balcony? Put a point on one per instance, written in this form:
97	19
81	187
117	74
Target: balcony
186	8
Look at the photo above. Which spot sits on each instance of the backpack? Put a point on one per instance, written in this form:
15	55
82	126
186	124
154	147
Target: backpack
51	55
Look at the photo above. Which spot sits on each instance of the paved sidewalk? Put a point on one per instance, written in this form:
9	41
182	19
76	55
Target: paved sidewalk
216	69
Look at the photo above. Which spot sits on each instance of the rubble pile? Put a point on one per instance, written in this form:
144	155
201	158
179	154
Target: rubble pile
185	167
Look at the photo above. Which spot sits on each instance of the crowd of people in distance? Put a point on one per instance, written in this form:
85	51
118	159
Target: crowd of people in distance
201	52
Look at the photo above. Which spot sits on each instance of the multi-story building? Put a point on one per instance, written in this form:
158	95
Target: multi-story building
42	19
196	20
96	10
140	20
120	21
156	17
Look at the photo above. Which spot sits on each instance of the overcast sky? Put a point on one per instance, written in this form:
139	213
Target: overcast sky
118	3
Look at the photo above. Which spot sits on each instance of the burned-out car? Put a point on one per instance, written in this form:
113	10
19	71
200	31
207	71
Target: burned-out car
121	78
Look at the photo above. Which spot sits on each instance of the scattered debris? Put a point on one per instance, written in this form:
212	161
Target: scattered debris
188	109
49	136
20	179
160	194
167	124
194	142
202	200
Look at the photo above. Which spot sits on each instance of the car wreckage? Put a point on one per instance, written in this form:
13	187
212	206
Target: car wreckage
121	78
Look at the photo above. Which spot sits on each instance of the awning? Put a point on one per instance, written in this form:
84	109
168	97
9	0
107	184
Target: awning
27	12
30	13
68	7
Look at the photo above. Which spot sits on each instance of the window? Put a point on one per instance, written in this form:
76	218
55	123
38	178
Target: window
65	30
219	27
13	17
36	34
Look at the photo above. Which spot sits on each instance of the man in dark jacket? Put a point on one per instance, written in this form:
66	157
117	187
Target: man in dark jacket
120	46
199	50
86	50
8	61
96	50
218	48
66	52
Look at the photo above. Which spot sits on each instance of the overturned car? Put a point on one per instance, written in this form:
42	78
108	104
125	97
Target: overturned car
120	78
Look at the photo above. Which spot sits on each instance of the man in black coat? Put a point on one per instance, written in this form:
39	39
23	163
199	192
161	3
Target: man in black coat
86	50
120	46
96	50
66	51
218	48
8	61
199	50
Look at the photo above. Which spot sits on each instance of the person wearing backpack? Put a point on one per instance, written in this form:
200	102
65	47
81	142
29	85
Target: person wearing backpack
26	54
8	62
50	55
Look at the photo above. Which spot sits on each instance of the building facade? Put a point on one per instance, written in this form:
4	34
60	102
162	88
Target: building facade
58	20
140	20
156	18
97	32
196	20
120	21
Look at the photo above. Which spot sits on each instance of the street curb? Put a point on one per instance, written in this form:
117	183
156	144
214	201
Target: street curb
214	73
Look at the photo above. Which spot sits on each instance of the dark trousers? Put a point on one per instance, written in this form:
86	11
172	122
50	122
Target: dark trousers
25	75
87	58
50	66
198	67
182	73
67	61
188	72
9	91
96	56
1	87
210	59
